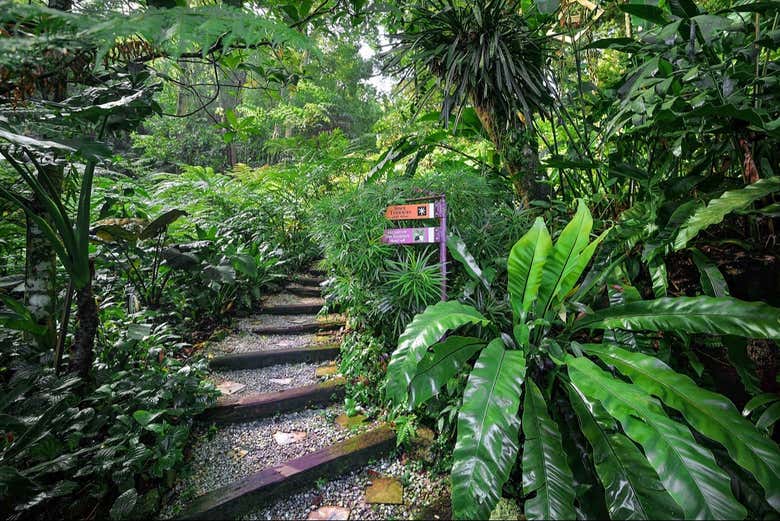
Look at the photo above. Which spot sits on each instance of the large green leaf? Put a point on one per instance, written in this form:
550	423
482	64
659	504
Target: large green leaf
426	329
712	281
488	427
525	264
438	367
709	413
720	316
545	470
460	252
688	471
631	486
572	240
161	223
717	209
573	271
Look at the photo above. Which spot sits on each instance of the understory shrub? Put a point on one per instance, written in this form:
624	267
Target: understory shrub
113	441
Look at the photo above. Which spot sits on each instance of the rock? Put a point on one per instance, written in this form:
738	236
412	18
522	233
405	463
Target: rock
239	453
386	491
424	435
286	438
330	512
280	381
349	422
228	388
326	370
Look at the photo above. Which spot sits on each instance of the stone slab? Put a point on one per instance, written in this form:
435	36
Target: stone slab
385	491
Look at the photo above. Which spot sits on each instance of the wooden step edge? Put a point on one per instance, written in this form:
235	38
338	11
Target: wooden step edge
292	309
257	359
304	291
240	497
308	280
298	329
248	407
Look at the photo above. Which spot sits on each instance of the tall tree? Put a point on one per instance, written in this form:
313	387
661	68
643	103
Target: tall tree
482	52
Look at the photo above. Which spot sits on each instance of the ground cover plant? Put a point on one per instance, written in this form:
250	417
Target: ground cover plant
609	343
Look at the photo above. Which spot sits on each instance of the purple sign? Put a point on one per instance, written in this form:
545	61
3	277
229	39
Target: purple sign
434	207
425	235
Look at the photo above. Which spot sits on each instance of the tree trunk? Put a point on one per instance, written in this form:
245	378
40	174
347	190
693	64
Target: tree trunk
40	292
82	352
519	150
229	99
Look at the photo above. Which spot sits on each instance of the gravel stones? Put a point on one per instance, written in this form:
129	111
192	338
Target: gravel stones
288	299
348	491
283	321
270	379
329	512
237	450
244	342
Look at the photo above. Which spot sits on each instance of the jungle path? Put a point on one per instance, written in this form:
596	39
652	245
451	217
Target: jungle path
277	444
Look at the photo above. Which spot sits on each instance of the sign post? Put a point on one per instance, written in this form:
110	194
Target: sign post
433	207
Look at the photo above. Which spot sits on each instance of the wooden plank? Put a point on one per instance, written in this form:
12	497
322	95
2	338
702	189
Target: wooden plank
231	409
239	497
256	359
308	280
304	291
296	329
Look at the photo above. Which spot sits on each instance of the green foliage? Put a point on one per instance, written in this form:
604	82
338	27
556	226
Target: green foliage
425	330
724	315
131	427
556	367
482	51
545	471
487	431
716	209
631	486
709	413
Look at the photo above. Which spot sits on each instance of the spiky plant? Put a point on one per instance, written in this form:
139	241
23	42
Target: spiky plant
483	53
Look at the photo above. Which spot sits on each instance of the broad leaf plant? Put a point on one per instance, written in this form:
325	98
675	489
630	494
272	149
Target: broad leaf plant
648	429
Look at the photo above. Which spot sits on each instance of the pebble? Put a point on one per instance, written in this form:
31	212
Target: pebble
348	491
269	379
237	450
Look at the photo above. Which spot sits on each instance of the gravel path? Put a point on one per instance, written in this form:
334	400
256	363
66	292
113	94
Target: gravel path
246	324
235	451
243	341
286	299
270	379
420	489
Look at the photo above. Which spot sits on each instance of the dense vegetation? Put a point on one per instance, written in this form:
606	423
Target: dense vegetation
612	171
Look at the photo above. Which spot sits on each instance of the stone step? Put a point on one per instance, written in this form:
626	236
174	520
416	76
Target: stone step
303	291
241	496
315	326
291	309
308	280
316	272
249	407
257	359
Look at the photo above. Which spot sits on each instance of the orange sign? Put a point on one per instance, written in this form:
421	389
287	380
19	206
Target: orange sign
410	211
